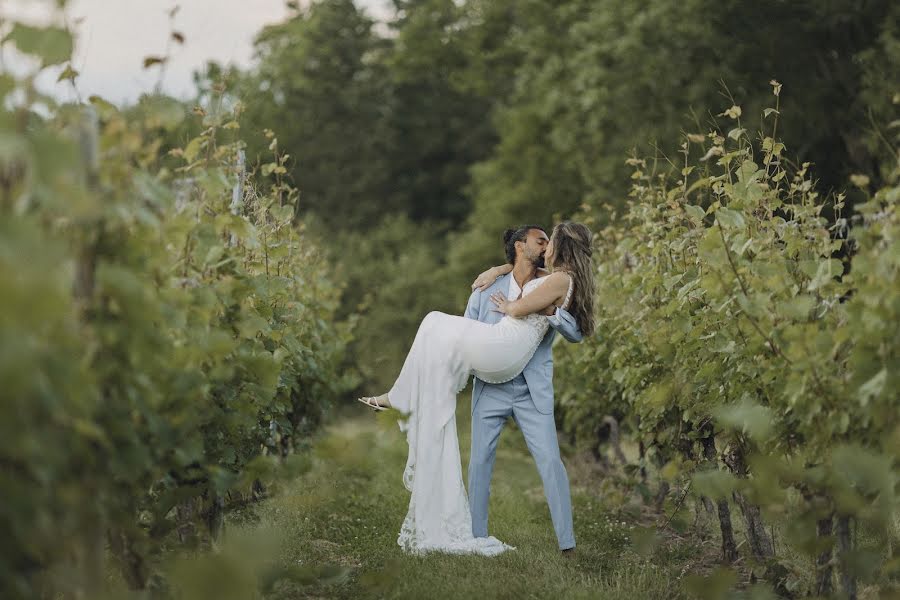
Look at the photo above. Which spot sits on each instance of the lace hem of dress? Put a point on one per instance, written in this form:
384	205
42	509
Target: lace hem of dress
460	540
487	546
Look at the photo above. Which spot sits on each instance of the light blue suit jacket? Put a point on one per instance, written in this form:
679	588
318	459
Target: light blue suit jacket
539	371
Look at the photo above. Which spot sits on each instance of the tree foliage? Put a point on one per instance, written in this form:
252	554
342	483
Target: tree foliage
477	116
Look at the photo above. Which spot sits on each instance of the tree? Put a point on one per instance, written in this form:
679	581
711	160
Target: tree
599	79
441	124
321	87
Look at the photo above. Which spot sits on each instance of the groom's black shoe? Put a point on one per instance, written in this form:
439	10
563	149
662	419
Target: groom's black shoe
569	552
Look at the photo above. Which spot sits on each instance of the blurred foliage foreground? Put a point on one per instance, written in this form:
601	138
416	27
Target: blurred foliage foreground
166	334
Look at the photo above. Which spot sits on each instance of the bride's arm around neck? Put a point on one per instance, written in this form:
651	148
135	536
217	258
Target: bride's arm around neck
486	278
549	293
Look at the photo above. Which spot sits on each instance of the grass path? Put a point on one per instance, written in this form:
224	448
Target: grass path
347	510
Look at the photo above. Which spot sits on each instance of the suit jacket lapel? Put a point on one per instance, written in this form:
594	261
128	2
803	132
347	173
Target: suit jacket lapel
488	314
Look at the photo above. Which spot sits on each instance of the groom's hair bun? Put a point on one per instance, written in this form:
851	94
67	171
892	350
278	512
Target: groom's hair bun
511	236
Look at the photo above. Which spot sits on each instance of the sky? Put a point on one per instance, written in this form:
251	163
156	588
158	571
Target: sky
114	36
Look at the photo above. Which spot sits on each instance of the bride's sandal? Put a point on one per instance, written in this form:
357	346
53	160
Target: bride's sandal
372	402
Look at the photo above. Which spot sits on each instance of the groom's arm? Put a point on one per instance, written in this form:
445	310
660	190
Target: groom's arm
563	322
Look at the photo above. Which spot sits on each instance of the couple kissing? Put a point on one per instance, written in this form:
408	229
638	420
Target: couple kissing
504	340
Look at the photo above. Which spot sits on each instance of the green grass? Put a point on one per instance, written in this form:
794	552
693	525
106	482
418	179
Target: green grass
332	533
347	510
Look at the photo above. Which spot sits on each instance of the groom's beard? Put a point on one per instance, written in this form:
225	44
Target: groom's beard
538	262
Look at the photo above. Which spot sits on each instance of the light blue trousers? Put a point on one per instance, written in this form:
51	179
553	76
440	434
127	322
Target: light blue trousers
496	404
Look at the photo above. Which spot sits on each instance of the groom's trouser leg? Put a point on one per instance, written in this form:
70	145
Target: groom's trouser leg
540	434
488	418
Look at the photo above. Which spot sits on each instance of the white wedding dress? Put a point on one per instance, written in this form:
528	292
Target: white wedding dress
447	350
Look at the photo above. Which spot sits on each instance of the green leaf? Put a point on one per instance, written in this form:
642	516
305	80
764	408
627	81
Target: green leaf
282	214
162	111
749	172
872	389
251	325
729	218
213	255
53	45
157	193
269	168
826	271
715	483
695	212
711	249
68	74
670	281
192	150
797	308
105	109
748	417
865	471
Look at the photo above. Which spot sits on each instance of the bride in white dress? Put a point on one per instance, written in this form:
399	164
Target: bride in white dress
447	350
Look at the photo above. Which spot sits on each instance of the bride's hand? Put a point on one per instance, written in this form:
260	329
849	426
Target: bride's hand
500	301
484	281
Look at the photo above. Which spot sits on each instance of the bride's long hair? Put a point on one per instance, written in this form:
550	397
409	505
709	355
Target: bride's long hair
572	250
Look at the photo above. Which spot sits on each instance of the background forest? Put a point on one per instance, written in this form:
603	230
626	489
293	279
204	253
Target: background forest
417	142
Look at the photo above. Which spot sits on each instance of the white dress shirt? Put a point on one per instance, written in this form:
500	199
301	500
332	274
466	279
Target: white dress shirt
514	289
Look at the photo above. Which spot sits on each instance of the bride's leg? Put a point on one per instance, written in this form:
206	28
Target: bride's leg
411	367
430	360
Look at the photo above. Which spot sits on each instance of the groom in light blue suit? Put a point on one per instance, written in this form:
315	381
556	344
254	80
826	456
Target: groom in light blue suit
528	398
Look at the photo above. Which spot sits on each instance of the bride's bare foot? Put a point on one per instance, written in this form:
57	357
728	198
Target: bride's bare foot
376	402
